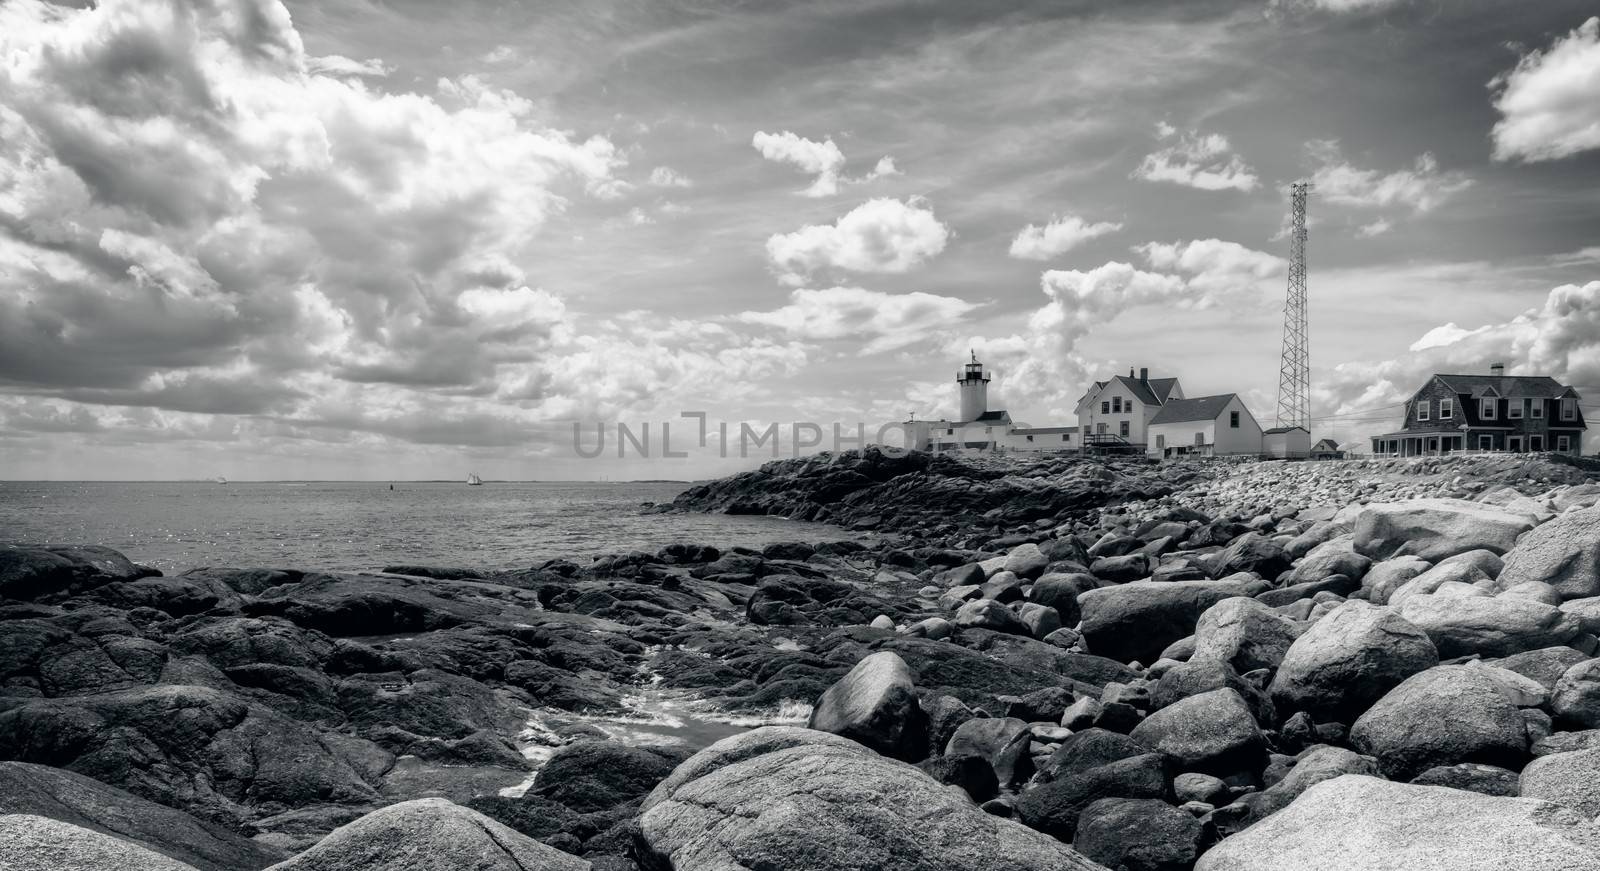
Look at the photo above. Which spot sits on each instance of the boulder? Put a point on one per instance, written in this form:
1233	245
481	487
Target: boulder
771	799
1312	767
876	705
1571	779
1434	529
1348	660
1586	611
1472	777
1575	701
992	615
1136	621
1060	591
1054	807
1442	716
1488	626
1444	575
34	843
1251	552
1138	834
1334	557
1085	750
1544	666
1384	578
1040	620
429	834
1359	823
1212	733
1564	553
81	801
1538	591
1027	561
1001	742
589	776
1245	634
28	573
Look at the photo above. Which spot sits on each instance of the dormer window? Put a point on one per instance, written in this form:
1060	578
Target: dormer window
1424	408
1486	408
1569	409
1447	408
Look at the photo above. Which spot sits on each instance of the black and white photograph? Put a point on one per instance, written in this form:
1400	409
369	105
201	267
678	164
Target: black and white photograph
799	435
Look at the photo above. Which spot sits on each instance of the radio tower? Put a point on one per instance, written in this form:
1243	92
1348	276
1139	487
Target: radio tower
1294	372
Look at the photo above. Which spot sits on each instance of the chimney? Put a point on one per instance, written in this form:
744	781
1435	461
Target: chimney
1130	371
1144	374
1498	370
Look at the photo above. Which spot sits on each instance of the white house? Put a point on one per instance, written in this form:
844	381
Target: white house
1211	426
982	428
1119	411
1286	442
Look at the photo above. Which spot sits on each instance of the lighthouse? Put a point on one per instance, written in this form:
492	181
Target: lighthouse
974	384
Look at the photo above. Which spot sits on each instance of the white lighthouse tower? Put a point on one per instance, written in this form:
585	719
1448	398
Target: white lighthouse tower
974	389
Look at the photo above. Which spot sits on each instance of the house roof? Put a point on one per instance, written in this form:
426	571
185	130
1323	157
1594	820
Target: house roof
1282	429
1325	445
1152	392
990	416
1536	386
1199	408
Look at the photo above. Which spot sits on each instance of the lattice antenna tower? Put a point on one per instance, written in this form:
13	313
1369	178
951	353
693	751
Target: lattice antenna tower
1294	370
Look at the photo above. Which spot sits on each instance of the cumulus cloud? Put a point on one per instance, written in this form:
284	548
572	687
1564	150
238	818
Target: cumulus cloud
667	177
339	65
1418	189
1550	102
241	228
881	321
1560	338
1204	161
821	159
1062	234
880	235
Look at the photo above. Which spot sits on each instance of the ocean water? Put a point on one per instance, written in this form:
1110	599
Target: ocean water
355	526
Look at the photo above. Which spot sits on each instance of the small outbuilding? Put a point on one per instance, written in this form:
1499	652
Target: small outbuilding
1326	449
1286	442
1209	426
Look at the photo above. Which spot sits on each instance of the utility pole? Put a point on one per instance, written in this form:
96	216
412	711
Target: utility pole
1294	369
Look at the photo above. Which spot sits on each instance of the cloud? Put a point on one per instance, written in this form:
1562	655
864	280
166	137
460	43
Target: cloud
1418	189
1337	6
880	235
1550	102
822	159
667	177
1376	228
242	229
1199	161
1061	235
885	321
339	65
1560	338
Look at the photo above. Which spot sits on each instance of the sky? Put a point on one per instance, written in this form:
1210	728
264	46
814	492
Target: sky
348	239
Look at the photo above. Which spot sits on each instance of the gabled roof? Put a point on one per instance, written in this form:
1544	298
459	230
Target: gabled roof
1152	392
1535	386
1325	445
1199	408
1281	429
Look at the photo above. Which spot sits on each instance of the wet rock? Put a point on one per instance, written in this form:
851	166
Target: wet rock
1434	529
744	804
1442	716
29	573
1356	822
876	705
1138	835
591	776
1348	660
429	834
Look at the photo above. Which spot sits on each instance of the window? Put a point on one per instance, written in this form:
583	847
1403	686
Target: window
1514	408
1100	428
1199	439
1538	409
1564	443
1122	429
1447	409
1514	444
1486	408
1423	408
949	432
1105	408
1569	409
1536	443
1233	419
1116	405
1485	442
1066	437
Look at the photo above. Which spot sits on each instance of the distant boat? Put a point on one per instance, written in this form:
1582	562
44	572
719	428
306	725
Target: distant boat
473	480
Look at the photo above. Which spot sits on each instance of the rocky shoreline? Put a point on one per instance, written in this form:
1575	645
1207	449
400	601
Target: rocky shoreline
1039	663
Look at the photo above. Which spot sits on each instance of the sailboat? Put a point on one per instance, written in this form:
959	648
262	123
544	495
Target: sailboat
473	480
